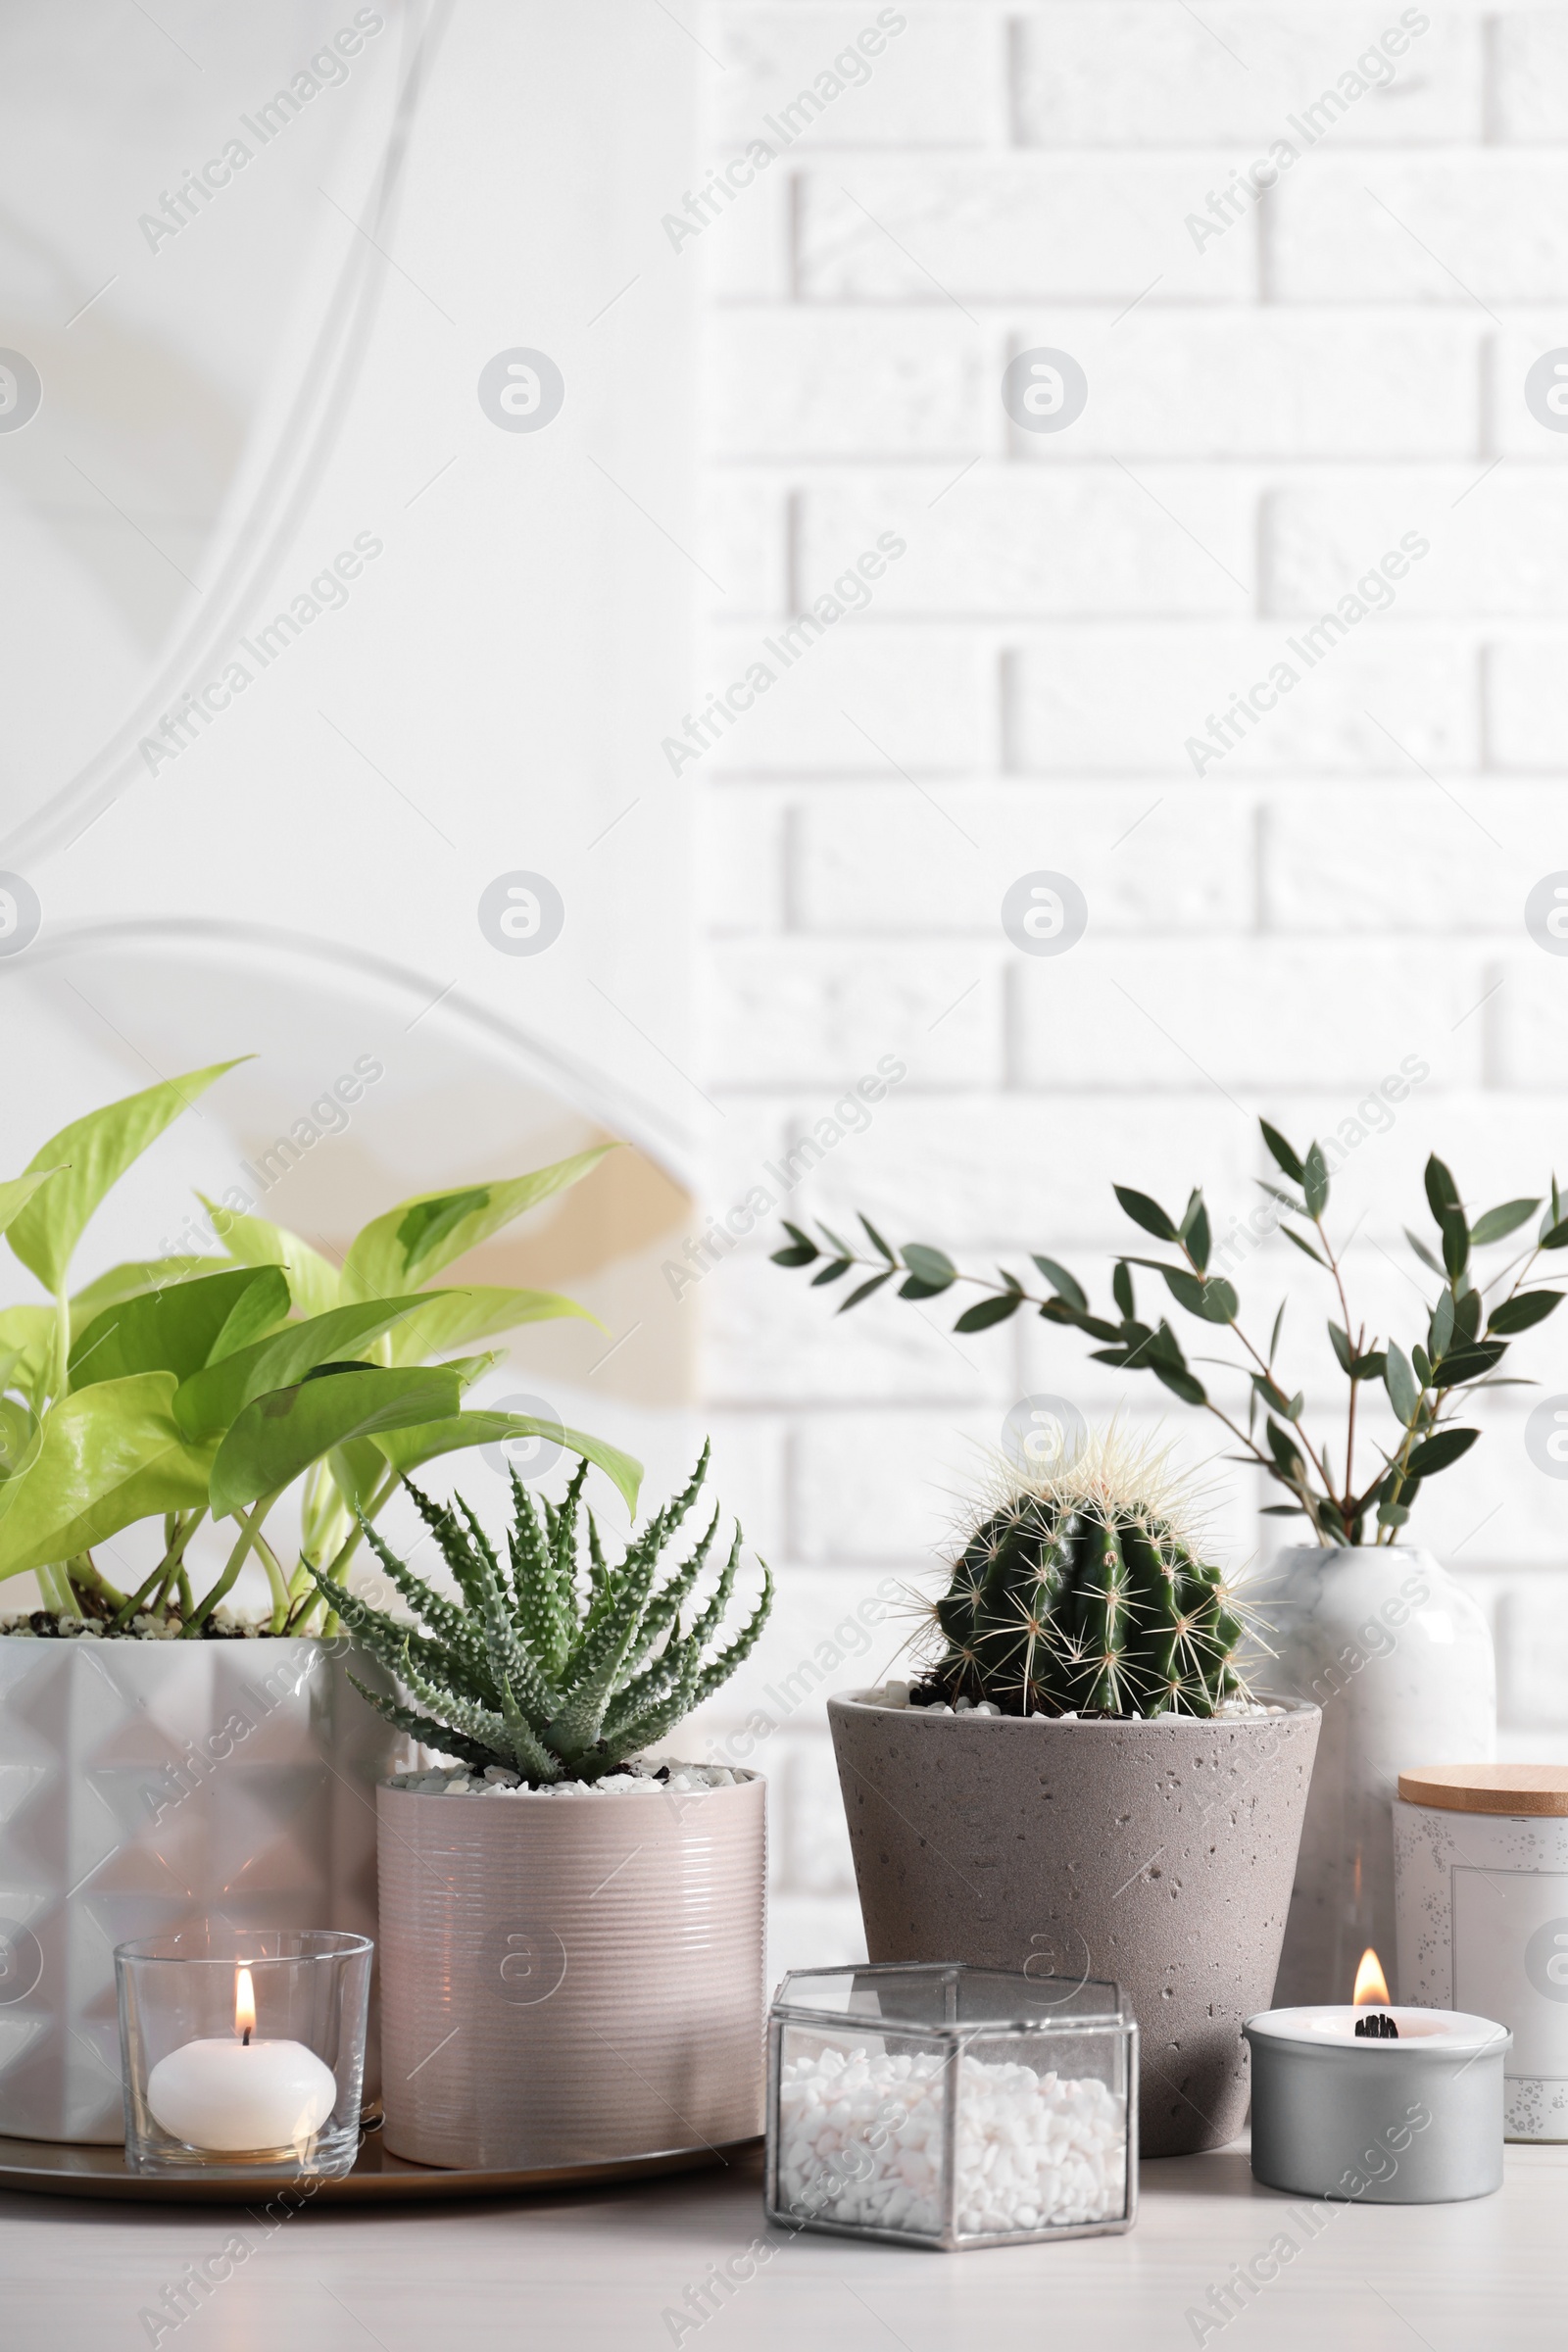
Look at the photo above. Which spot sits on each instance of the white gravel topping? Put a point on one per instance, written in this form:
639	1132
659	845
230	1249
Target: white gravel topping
44	1625
860	2141
496	1780
896	1694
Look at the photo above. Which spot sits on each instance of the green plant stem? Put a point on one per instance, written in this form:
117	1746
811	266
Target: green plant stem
277	1580
87	1577
303	1585
54	1589
178	1529
250	1530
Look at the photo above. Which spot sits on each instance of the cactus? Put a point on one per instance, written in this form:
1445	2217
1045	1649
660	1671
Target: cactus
1081	1593
567	1666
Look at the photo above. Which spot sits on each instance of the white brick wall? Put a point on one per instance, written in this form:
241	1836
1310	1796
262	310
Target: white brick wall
1270	409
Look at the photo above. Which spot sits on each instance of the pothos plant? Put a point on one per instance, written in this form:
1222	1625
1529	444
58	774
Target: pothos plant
182	1389
1465	1335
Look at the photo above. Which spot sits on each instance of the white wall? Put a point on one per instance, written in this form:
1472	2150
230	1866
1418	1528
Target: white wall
1269	411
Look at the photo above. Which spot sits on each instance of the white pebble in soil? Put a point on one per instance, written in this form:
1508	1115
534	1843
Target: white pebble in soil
861	2142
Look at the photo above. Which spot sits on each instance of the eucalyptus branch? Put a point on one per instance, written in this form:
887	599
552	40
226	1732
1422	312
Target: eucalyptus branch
1457	1354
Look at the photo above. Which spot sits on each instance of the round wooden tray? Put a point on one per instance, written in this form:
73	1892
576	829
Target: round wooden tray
58	2169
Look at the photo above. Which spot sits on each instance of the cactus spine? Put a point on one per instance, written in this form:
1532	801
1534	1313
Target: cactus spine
1081	1594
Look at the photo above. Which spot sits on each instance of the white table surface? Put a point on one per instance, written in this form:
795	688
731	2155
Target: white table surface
596	2271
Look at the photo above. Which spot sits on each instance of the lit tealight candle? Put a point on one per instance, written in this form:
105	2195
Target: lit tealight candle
1392	2106
241	2094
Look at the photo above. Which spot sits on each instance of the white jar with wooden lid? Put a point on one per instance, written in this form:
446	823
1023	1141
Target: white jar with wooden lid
1481	1871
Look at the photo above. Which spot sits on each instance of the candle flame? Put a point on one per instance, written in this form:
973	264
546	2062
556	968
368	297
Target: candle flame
244	2005
1371	1986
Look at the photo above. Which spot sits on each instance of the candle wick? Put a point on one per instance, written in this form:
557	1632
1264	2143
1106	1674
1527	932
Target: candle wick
245	2039
1376	2027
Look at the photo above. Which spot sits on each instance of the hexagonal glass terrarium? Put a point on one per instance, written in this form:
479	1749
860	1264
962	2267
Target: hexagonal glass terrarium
949	2106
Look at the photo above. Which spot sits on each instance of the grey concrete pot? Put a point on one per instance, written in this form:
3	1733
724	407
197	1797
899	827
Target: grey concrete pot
571	1979
1158	1854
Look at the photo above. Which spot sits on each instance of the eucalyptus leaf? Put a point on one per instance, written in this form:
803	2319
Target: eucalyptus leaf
1455	1241
1315	1181
1145	1212
1498	1223
1520	1312
1439	1327
1437	1451
1305	1247
1284	1157
928	1265
1179	1381
1195	1233
1468	1363
1400	1384
800	1253
877	1243
89	1158
1443	1193
1423	1253
864	1290
987	1312
1061	1281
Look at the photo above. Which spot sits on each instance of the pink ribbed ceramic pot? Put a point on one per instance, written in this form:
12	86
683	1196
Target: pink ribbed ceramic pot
570	1979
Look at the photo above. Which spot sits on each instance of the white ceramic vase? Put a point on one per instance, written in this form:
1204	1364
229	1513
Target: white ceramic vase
1399	1659
142	1784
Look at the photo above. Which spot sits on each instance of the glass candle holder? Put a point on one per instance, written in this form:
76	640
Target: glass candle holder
949	2106
244	2050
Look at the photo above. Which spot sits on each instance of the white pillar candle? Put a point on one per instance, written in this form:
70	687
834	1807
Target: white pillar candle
240	2094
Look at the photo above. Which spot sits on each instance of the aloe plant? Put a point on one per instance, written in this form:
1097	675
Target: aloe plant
175	1388
1465	1332
562	1665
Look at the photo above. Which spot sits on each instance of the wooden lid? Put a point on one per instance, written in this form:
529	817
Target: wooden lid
1515	1788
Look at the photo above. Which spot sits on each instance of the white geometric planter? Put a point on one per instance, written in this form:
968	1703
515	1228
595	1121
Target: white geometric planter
141	1785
